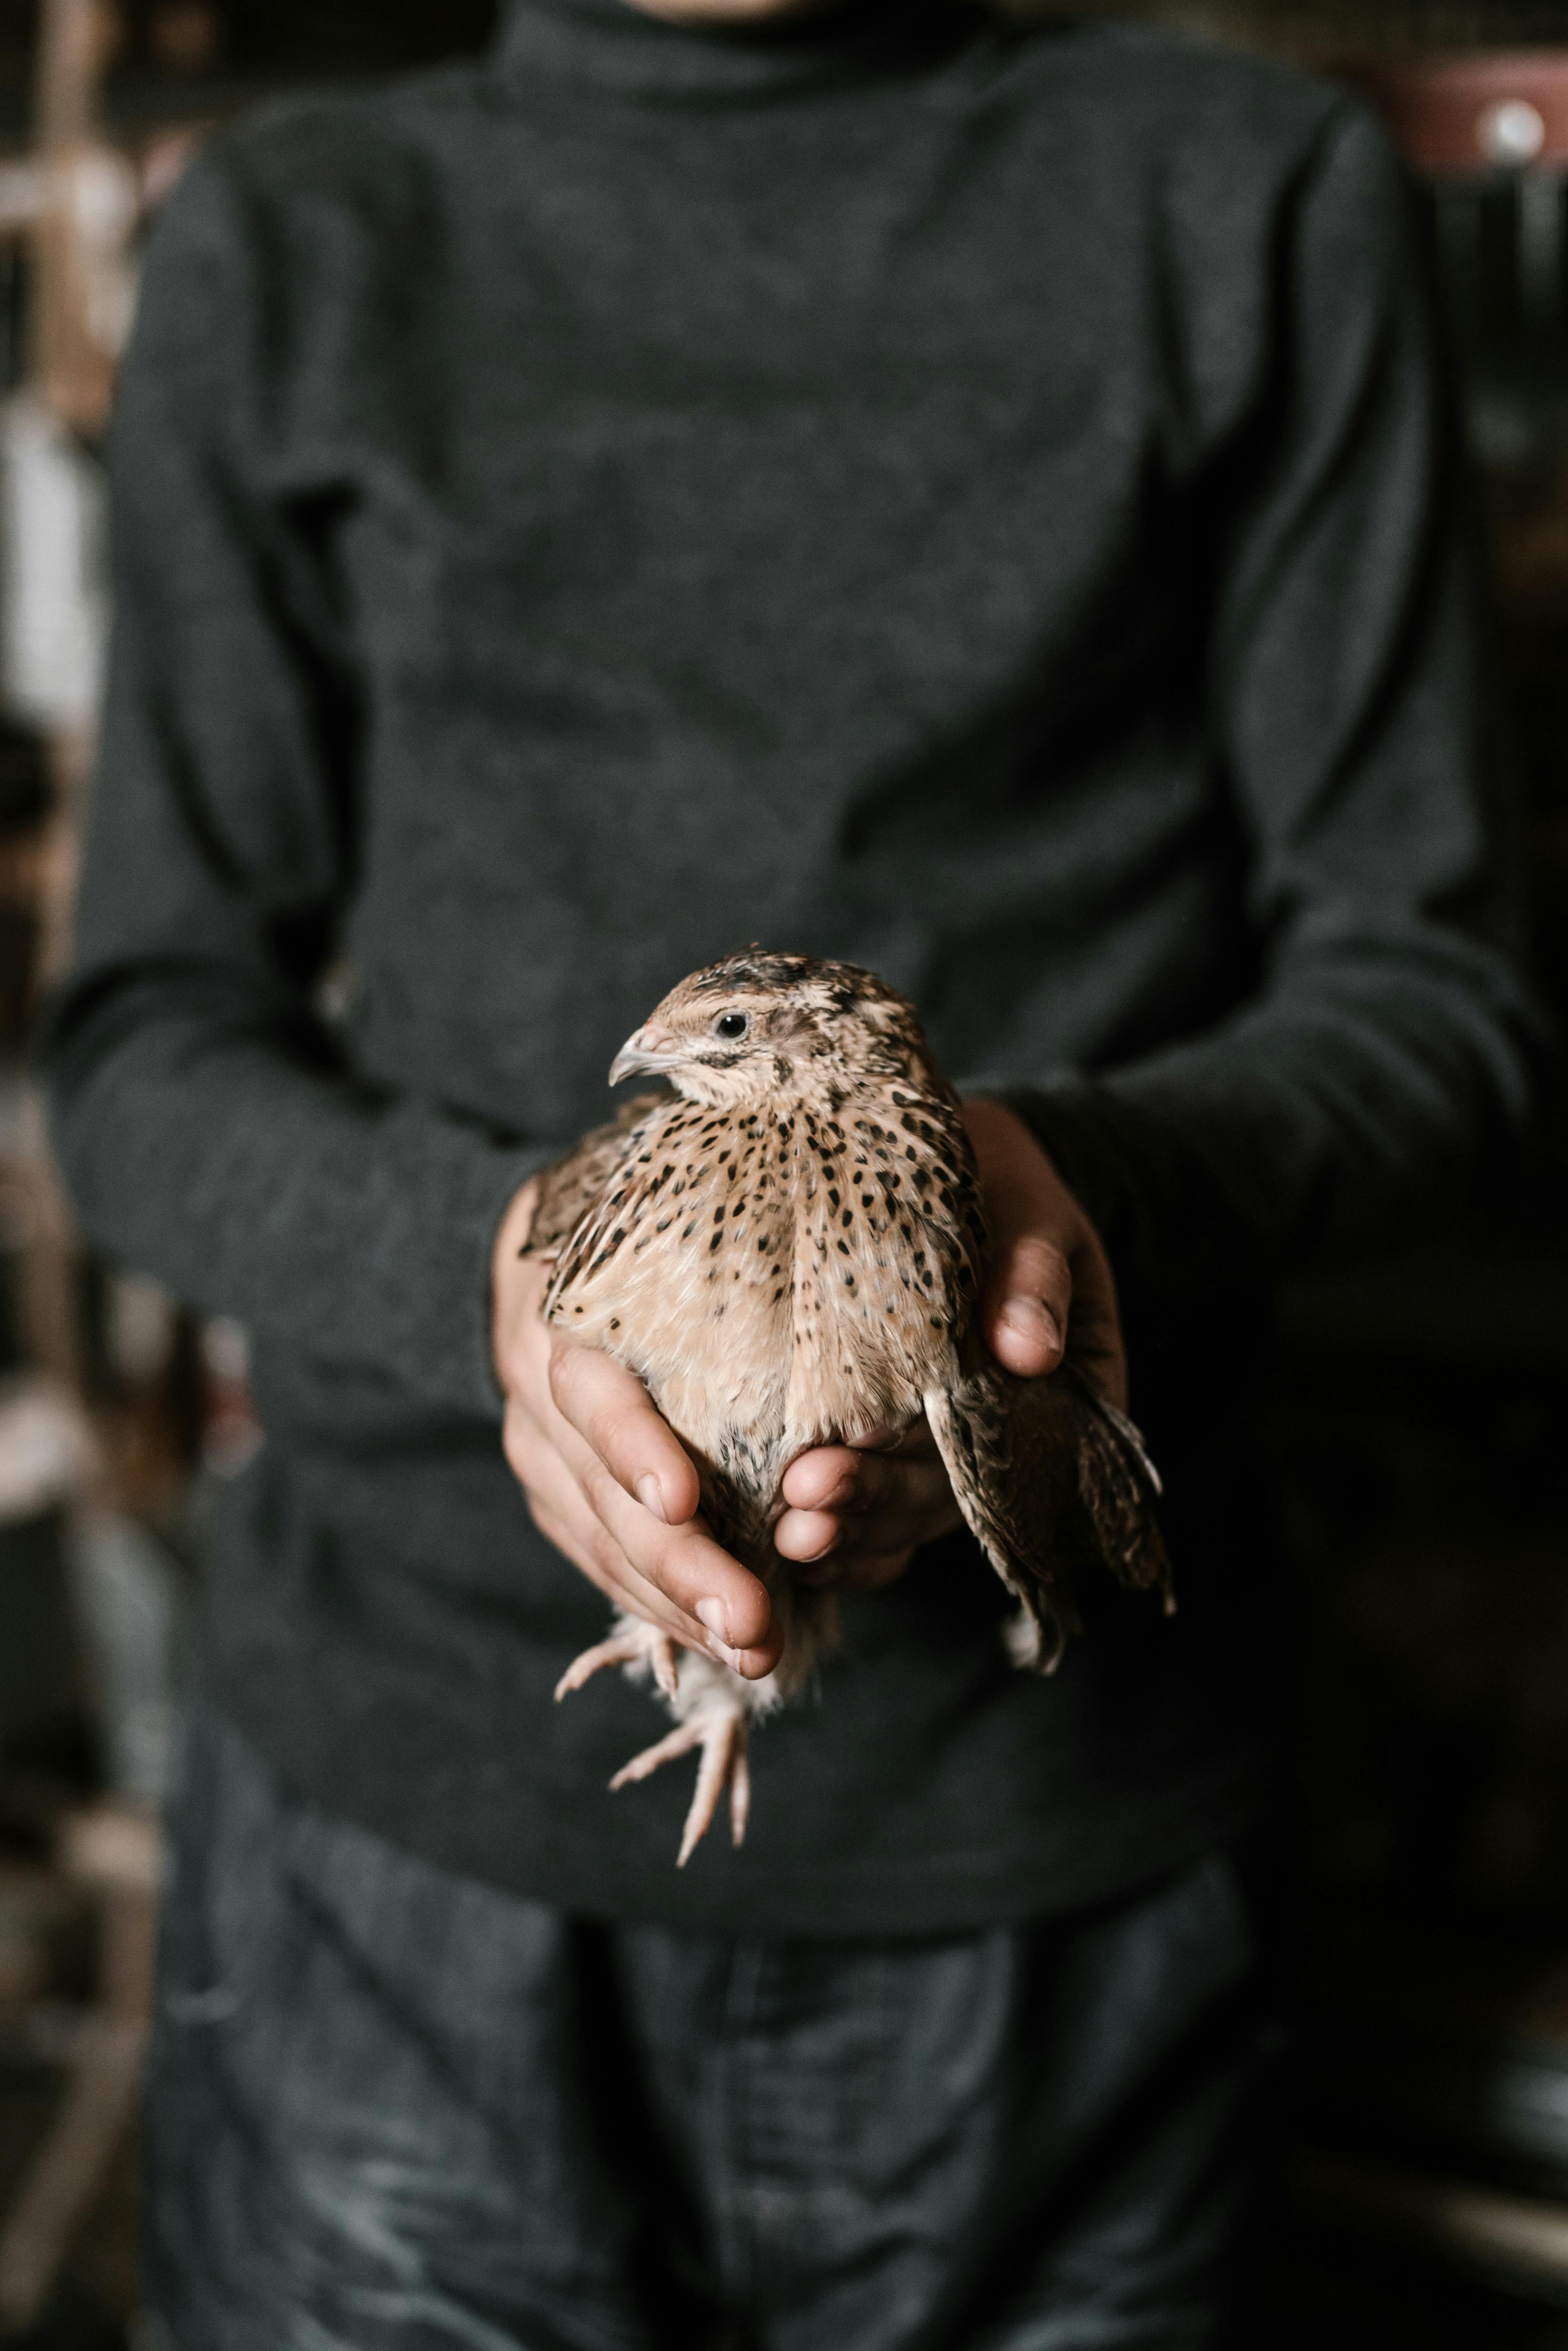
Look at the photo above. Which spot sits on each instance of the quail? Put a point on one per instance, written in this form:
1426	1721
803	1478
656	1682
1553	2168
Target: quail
787	1245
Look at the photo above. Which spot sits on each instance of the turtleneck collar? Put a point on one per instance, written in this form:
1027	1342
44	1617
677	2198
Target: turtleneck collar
613	47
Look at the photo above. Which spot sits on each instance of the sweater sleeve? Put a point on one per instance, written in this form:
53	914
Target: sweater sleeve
210	1128
1388	1053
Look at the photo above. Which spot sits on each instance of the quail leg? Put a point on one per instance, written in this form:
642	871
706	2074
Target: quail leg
633	1645
720	1732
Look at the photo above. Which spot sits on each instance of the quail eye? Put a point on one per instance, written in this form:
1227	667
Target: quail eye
731	1025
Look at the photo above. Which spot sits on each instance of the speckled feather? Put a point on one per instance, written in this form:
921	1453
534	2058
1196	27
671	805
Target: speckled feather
789	1249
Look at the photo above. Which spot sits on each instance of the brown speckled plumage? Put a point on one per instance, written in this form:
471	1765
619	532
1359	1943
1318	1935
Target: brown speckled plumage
789	1249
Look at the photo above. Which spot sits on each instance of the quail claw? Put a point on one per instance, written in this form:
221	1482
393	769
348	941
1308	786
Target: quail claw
631	1649
722	1737
679	1741
666	1670
723	1766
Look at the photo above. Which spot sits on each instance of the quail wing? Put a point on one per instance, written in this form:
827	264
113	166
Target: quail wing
572	1185
1051	1478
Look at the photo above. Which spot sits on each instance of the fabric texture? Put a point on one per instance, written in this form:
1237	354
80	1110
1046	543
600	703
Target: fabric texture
392	2108
975	501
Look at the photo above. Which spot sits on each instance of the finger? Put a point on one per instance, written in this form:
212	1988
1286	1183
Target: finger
878	1487
1035	1224
829	1476
897	1485
611	1409
575	1529
694	1573
727	1610
924	1519
823	1488
806	1536
575	1503
892	1504
1028	1299
563	1515
826	1479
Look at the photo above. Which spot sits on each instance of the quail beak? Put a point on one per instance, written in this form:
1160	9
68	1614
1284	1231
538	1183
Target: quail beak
652	1052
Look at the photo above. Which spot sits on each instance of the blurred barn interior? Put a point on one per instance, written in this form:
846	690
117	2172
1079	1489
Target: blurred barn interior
1421	1407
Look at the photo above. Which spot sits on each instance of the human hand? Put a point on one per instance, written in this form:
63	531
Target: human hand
607	1479
857	1513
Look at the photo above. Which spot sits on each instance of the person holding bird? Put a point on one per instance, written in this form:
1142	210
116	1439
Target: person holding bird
901	575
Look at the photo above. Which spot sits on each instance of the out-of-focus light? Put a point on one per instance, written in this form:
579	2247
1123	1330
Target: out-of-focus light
1510	130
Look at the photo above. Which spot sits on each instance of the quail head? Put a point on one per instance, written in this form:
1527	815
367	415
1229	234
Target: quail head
787	1247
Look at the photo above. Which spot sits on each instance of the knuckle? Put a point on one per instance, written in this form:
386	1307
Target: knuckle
562	1370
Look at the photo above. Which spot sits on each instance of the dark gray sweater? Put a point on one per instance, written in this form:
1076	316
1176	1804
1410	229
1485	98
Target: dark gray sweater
970	501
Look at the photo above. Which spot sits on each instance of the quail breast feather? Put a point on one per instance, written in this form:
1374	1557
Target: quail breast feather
787	1247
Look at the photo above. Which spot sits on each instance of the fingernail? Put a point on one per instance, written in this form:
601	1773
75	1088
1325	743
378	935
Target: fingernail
1027	1318
651	1497
711	1614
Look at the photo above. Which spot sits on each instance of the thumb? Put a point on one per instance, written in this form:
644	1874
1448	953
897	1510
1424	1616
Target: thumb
1029	1296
